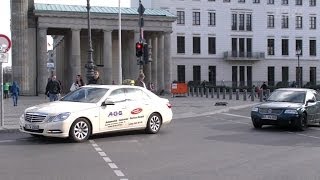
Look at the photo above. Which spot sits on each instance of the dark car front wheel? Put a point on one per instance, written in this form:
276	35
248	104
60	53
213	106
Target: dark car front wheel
301	124
256	124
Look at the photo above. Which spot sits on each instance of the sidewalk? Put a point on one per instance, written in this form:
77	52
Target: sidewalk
182	107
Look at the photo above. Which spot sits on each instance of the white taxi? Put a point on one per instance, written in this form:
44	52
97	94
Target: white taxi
96	109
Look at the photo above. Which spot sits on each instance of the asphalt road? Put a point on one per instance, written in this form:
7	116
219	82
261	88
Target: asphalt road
222	146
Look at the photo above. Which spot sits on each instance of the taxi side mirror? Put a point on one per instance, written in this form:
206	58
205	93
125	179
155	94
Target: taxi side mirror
107	102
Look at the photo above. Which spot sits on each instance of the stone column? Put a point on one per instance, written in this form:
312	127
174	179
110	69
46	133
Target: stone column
107	56
42	60
134	68
160	62
167	61
154	73
75	57
126	54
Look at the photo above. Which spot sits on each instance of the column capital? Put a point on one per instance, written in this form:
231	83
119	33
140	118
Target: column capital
75	29
107	30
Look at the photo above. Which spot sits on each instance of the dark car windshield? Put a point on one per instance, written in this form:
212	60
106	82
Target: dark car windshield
288	96
85	95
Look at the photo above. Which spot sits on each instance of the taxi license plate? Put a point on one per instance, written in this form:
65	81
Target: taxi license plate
31	127
269	117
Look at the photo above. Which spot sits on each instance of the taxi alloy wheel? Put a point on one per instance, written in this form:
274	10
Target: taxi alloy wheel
154	123
80	130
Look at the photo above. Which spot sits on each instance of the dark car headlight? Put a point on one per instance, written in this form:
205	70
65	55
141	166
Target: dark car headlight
255	109
291	111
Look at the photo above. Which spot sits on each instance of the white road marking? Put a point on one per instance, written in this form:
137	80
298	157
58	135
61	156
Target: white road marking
118	173
299	134
111	164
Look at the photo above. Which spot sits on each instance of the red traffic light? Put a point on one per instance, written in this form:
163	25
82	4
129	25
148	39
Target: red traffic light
139	49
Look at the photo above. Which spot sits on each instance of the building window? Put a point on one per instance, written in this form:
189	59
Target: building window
285	47
212	75
211	18
285	22
270	2
299	22
285	74
249	22
249	76
256	1
197	74
284	2
313	22
241	22
211	45
196	45
313	75
249	47
196	18
312	2
313	47
299	45
234	21
180	44
271	75
270	21
270	46
226	0
299	2
181	17
242	73
181	73
234	76
241	1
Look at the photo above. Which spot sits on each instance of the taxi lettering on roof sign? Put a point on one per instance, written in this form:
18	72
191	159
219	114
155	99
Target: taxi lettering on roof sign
136	111
115	113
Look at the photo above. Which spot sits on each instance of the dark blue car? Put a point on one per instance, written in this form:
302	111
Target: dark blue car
296	107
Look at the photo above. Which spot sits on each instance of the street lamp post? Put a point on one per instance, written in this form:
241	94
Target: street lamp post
298	53
90	64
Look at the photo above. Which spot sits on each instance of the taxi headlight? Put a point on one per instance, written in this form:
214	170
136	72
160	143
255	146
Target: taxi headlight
255	109
60	117
291	111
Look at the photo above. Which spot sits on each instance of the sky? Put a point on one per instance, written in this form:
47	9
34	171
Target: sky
5	13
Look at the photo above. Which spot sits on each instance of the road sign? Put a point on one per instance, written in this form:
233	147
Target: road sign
5	43
50	65
4	57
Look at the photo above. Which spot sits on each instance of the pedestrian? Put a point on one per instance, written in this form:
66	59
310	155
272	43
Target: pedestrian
6	90
96	78
15	92
53	89
140	80
77	84
264	88
254	89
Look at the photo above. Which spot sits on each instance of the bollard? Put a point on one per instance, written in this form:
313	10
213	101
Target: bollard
189	89
197	91
207	92
212	92
268	93
201	91
245	95
252	94
192	91
224	91
218	93
230	93
237	94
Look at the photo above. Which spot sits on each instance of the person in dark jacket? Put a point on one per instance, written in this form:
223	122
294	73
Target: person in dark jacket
15	92
53	89
96	78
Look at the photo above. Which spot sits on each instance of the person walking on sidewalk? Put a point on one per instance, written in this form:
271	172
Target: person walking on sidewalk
15	92
77	84
53	89
6	90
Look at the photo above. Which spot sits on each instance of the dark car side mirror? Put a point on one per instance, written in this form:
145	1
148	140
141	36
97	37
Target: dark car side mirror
310	101
107	102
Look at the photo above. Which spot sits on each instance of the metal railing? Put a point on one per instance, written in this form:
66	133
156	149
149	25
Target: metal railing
236	55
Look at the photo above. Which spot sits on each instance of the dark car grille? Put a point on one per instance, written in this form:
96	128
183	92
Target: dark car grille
35	117
270	111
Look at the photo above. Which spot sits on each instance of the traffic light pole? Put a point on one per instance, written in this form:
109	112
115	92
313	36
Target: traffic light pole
141	39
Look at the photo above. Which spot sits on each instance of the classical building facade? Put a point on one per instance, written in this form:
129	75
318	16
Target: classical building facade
244	42
31	23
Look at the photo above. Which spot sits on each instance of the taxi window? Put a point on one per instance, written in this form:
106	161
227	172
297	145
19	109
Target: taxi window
133	94
117	95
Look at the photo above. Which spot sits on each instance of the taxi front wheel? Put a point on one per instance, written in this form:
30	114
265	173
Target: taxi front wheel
80	130
154	123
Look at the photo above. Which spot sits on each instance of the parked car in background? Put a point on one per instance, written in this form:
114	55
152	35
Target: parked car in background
96	109
297	107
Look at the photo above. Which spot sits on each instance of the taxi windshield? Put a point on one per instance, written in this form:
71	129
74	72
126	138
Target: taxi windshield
85	95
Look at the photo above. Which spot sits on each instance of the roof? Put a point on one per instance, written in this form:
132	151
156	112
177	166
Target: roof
99	9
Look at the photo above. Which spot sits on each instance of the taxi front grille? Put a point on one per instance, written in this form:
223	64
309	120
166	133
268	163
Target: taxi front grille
270	111
35	117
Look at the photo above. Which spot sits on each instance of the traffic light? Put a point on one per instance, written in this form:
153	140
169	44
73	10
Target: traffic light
145	53
139	49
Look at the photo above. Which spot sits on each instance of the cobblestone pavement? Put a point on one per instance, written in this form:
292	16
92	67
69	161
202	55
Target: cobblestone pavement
182	107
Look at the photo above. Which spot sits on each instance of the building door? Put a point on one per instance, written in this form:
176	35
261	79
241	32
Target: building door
234	47
249	76
242	77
